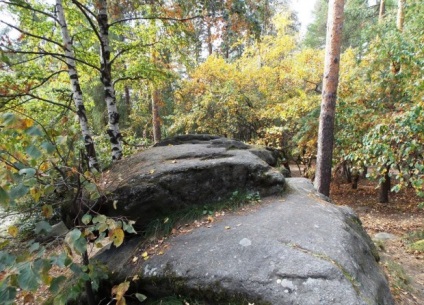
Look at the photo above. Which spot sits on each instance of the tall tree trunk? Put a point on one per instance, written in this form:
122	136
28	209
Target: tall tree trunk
329	96
382	11
156	95
128	100
385	187
155	114
209	38
400	15
76	89
115	136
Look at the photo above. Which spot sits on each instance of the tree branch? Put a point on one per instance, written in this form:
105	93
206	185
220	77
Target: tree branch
158	18
128	78
32	35
29	7
11	51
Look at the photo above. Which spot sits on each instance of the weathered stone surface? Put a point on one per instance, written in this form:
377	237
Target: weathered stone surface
294	249
184	171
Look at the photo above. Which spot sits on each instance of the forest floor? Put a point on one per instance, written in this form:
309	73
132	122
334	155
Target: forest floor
403	266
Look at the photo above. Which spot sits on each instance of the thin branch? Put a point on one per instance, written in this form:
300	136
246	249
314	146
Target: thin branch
25	61
128	78
33	97
129	49
11	51
29	7
46	79
33	35
158	18
84	11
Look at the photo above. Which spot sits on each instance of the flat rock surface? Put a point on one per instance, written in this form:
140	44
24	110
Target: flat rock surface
294	249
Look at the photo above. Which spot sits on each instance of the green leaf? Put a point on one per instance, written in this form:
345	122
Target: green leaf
18	191
128	228
100	219
56	284
28	279
72	236
48	147
28	172
140	297
6	260
80	245
34	131
4	197
7	293
60	260
60	299
86	219
42	227
76	241
33	152
34	247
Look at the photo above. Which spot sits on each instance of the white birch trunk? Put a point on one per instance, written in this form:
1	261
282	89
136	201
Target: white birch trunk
115	136
76	88
329	96
400	15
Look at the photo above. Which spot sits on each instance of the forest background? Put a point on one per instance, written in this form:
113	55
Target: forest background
85	83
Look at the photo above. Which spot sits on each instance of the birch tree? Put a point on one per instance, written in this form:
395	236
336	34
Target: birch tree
106	78
76	88
329	96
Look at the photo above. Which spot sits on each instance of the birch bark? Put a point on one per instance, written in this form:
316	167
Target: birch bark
400	15
76	88
329	96
113	131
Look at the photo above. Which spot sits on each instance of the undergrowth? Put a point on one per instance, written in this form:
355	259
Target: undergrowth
163	226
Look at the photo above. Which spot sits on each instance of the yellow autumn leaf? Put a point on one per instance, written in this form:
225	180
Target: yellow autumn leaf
117	237
121	301
26	123
44	167
119	291
35	193
145	256
47	211
152	171
13	231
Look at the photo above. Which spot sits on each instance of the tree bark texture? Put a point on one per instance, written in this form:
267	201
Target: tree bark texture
329	96
113	131
400	15
155	114
385	187
382	11
76	88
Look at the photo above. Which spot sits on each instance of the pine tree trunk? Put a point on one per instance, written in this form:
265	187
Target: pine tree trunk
76	89
115	136
155	114
329	96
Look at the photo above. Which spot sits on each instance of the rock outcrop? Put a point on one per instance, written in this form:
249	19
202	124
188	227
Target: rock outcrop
293	249
184	171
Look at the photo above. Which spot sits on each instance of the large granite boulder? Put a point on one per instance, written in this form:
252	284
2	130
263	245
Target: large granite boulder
184	171
293	249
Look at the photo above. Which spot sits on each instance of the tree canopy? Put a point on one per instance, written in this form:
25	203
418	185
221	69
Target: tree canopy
85	83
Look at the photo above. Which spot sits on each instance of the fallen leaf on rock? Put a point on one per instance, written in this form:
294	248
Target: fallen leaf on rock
135	258
227	227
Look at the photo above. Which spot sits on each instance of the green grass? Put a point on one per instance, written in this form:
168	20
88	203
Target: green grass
163	226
